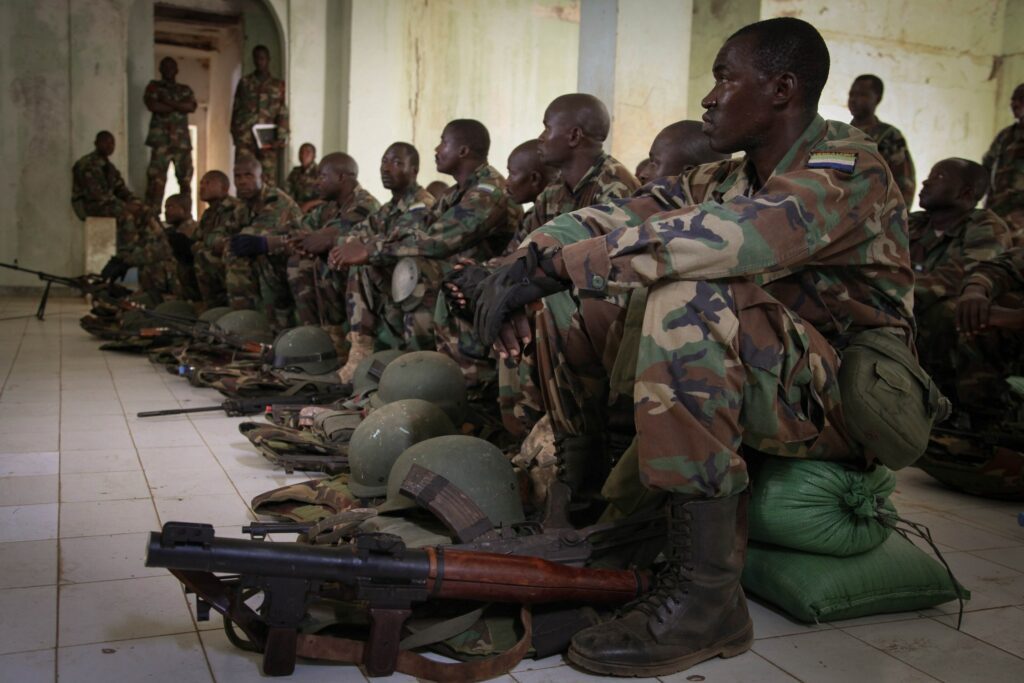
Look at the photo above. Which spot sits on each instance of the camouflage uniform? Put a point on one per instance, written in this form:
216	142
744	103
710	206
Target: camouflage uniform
259	100
301	183
216	225
475	221
185	272
319	292
168	137
1005	161
261	283
519	391
751	293
893	148
97	189
144	245
368	302
941	263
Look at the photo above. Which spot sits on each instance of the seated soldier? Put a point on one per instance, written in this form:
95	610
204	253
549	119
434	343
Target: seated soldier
865	95
302	179
1004	161
319	293
255	270
97	188
642	171
947	241
379	308
181	231
759	271
475	220
528	176
679	147
438	189
218	222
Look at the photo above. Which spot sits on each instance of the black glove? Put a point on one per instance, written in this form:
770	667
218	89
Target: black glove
249	245
527	279
181	245
115	269
467	279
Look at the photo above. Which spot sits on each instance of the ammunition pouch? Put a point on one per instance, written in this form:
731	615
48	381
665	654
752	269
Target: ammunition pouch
889	402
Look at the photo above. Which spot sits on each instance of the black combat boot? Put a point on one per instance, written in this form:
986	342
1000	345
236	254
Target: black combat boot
696	610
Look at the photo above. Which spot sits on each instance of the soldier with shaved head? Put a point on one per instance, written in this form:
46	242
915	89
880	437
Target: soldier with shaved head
218	222
679	147
1004	162
319	293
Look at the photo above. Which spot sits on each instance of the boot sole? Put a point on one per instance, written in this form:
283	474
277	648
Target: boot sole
729	647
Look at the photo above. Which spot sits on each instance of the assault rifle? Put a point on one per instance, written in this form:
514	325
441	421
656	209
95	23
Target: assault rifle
199	330
86	284
250	405
379	570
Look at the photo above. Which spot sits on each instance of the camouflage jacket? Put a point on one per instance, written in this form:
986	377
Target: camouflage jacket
258	101
97	186
271	212
408	211
606	180
220	220
170	129
144	242
826	234
1005	162
1005	273
359	206
893	148
475	221
942	260
301	183
187	227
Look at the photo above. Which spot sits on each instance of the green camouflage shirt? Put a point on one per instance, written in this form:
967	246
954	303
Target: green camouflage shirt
1005	273
271	212
409	211
893	148
942	260
170	129
258	101
360	205
302	183
97	186
826	234
1005	161
476	222
217	222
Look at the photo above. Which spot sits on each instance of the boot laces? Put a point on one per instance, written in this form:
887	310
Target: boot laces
671	585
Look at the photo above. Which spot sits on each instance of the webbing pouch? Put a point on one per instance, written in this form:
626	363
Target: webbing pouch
889	402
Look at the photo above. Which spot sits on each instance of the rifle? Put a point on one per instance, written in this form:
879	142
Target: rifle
242	405
86	284
377	569
198	330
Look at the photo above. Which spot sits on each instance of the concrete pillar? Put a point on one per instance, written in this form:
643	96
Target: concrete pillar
100	237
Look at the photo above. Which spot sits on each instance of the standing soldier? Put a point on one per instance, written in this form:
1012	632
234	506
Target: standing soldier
1005	162
171	103
865	95
302	179
217	224
259	98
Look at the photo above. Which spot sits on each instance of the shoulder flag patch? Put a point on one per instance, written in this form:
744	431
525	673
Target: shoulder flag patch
486	187
839	161
417	205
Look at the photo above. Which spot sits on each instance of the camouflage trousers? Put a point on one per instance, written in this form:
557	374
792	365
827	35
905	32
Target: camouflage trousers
722	366
266	157
455	338
373	312
318	292
156	172
260	284
210	274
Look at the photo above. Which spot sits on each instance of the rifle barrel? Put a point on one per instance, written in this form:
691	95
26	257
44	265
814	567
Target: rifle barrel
179	411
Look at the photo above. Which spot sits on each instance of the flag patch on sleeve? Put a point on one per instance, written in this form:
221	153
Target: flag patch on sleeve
838	161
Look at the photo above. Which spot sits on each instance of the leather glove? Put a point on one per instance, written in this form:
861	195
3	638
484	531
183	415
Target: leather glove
115	269
527	279
181	245
249	245
467	281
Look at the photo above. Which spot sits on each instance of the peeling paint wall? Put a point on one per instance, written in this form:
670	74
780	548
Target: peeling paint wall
936	59
1010	67
415	65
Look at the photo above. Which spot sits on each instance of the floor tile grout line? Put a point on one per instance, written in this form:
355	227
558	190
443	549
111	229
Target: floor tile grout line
937	620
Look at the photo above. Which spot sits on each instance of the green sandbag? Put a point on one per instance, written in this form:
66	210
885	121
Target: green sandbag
820	507
894	577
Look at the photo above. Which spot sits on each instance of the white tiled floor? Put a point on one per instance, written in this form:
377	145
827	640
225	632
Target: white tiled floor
82	480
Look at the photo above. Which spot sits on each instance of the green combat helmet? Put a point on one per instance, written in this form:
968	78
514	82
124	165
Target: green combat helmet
134	320
384	435
307	350
369	370
177	309
212	315
476	467
248	326
428	375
